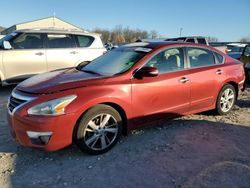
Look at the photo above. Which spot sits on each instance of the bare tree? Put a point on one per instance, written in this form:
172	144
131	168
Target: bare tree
212	39
105	34
153	34
120	34
245	39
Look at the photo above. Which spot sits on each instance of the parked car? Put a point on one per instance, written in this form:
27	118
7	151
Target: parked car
235	50
28	52
110	46
199	40
127	88
245	58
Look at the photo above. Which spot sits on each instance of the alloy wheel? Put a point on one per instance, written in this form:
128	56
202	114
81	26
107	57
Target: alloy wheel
101	131
227	100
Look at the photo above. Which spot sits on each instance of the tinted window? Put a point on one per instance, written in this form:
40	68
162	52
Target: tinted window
220	58
235	49
200	57
84	41
27	41
115	61
247	50
168	60
201	41
60	41
190	40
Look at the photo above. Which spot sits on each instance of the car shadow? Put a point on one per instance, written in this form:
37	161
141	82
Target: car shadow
173	154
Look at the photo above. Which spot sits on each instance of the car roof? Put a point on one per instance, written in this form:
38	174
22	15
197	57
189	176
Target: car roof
57	31
154	45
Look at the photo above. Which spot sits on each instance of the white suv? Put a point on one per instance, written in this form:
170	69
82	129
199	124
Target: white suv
25	53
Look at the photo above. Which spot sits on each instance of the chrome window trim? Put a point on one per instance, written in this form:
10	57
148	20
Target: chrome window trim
21	97
186	60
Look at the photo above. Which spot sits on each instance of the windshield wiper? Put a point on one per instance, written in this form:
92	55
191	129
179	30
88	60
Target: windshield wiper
90	71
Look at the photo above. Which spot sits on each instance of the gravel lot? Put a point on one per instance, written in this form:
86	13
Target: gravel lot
195	151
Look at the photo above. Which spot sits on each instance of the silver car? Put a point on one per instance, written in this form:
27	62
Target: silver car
25	53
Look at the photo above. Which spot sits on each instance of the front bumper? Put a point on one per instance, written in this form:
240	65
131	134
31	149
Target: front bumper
42	132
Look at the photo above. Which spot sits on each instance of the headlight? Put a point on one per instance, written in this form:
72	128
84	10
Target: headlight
52	107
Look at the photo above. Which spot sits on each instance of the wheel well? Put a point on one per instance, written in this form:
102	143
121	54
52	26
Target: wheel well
118	108
235	85
121	111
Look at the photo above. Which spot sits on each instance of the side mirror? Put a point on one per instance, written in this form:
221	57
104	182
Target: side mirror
146	72
7	45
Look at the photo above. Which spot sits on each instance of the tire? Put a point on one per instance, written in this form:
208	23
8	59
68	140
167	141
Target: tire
226	101
98	130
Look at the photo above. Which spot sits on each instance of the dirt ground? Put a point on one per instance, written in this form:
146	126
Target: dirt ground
195	151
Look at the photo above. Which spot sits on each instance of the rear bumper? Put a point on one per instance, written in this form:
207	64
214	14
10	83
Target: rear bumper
46	133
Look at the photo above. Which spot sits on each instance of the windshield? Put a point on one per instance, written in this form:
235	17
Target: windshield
116	61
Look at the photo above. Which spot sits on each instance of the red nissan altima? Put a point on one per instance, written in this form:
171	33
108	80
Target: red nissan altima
127	88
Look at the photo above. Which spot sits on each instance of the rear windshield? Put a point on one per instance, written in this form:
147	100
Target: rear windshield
116	61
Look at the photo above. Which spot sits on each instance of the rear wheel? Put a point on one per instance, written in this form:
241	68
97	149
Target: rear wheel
226	99
98	130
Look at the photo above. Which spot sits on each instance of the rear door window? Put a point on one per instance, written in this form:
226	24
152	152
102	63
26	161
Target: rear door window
220	58
84	41
200	57
60	41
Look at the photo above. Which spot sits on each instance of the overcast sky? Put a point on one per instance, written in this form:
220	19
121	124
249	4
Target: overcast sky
228	20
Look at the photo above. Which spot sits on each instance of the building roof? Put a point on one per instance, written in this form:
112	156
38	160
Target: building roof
52	22
57	31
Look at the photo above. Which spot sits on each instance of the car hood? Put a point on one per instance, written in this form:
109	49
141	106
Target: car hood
59	80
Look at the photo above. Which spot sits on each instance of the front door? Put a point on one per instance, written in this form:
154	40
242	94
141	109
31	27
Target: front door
26	58
166	95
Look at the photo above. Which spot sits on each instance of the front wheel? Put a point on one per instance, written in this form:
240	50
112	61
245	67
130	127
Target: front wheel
226	99
98	130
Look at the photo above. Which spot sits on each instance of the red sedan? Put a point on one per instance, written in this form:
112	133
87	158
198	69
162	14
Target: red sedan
127	88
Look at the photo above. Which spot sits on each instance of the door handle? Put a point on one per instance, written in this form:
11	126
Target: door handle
73	52
183	80
219	72
39	53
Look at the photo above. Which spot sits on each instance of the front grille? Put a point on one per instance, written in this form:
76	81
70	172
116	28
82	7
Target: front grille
17	99
14	102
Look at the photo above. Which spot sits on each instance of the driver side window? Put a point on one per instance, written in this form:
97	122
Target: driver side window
27	41
168	60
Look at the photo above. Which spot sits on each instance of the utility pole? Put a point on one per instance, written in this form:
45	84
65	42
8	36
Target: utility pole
181	31
54	15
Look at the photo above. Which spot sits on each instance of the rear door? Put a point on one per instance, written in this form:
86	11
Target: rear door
166	95
26	58
206	75
61	51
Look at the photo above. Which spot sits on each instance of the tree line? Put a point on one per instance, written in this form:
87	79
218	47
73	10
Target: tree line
120	35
